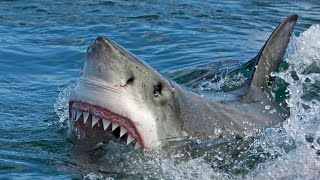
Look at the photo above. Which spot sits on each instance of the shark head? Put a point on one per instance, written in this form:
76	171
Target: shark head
118	94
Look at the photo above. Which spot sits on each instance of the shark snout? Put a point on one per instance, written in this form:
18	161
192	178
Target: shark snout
99	44
107	61
100	41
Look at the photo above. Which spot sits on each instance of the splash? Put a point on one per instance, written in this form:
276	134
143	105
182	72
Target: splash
303	125
62	102
193	169
224	84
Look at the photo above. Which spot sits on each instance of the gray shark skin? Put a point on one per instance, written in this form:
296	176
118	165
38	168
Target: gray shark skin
121	97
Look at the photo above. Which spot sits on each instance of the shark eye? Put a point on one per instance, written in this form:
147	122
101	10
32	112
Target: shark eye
130	80
157	89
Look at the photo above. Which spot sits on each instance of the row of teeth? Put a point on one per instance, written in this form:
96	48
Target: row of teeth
106	123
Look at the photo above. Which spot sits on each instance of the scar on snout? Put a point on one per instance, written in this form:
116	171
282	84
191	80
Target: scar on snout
120	85
123	86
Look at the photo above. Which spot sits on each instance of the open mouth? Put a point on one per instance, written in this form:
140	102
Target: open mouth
83	115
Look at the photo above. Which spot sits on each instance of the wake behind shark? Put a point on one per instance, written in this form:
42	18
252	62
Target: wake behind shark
121	97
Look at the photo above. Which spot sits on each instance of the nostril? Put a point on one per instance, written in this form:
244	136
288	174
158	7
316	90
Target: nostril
100	40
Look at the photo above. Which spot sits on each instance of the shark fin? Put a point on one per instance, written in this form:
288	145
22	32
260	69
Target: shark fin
269	57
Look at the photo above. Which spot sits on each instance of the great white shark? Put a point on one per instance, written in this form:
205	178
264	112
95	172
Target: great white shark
121	97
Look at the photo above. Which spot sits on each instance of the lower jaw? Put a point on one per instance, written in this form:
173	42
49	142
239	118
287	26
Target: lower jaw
93	131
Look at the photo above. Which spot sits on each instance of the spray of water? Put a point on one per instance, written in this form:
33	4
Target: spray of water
62	102
303	125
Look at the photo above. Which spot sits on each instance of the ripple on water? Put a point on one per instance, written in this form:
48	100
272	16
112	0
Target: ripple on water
42	47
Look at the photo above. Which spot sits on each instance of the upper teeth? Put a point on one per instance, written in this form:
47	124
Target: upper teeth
106	123
85	116
74	112
123	131
130	139
94	120
78	115
137	146
114	126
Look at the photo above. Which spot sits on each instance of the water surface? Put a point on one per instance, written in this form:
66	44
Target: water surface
42	46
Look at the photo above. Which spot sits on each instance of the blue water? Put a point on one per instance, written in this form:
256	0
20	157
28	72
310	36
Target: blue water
42	46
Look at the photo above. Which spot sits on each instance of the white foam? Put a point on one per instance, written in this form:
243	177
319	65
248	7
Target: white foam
302	162
62	102
230	82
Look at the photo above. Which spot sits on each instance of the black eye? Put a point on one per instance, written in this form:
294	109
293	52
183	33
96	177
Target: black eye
130	80
157	89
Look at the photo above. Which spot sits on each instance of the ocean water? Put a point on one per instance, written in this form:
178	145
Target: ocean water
42	46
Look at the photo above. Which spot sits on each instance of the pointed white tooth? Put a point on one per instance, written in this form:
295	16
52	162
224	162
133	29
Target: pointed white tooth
73	113
114	126
122	131
85	117
137	146
78	115
129	139
106	123
94	120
